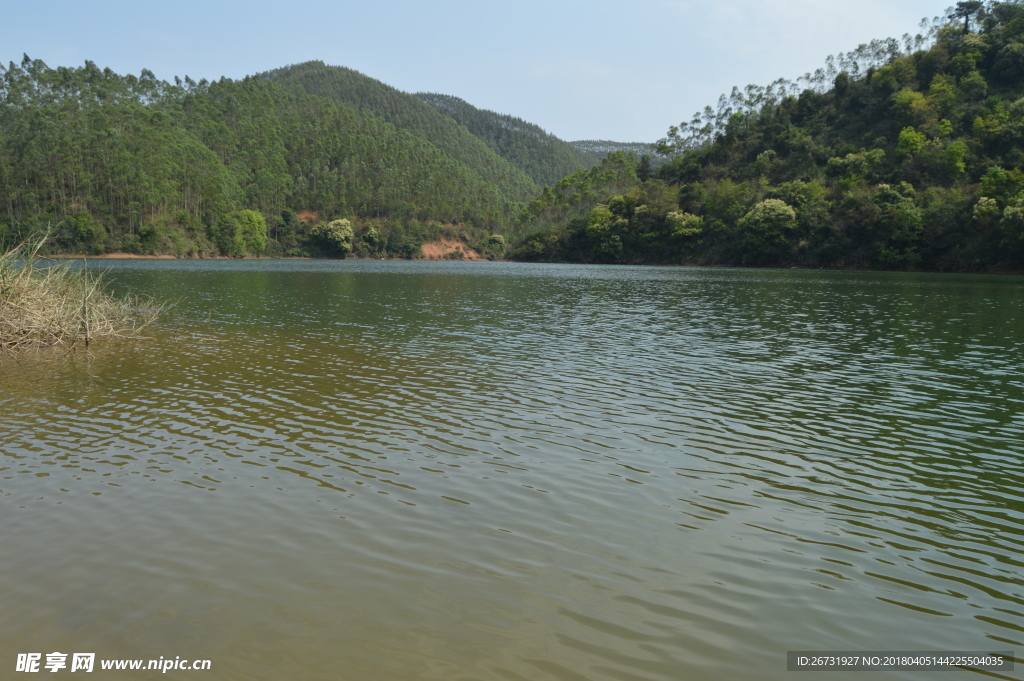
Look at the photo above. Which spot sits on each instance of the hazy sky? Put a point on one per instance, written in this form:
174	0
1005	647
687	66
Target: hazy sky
599	69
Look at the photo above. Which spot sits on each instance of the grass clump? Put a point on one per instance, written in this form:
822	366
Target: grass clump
61	305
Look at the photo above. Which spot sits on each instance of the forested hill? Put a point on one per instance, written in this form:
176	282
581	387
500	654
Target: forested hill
911	157
110	162
542	156
407	113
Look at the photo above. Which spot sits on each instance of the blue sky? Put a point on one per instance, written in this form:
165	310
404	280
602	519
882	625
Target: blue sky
598	69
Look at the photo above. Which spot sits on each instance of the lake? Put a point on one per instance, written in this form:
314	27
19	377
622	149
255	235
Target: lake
405	470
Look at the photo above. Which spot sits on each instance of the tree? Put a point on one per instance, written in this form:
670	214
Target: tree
966	9
1009	65
333	238
1012	226
240	233
898	230
496	244
955	156
371	237
604	232
764	231
643	169
82	233
684	225
842	84
254	231
910	142
227	234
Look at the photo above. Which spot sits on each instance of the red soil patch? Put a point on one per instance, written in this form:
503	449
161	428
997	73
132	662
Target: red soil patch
439	250
308	216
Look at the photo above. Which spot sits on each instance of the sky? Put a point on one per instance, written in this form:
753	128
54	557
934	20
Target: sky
594	69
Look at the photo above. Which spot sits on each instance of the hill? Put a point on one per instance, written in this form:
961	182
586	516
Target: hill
407	113
130	163
542	156
903	154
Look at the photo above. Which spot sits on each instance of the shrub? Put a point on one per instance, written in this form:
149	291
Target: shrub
333	239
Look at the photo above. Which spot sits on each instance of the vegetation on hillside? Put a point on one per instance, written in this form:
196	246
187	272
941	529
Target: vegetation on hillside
542	156
135	164
409	114
902	154
547	223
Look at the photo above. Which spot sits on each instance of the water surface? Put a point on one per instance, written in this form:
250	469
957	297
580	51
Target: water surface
362	470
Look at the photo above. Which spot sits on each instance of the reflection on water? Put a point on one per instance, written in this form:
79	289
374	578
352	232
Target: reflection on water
491	471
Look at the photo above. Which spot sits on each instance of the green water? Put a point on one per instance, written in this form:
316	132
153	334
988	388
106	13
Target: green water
360	470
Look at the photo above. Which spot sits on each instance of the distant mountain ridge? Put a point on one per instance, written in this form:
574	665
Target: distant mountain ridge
596	150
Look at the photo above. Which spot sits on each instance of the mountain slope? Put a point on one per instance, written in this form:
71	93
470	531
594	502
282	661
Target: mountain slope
407	113
542	156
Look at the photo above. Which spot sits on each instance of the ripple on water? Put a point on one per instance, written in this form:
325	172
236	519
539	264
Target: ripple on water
500	471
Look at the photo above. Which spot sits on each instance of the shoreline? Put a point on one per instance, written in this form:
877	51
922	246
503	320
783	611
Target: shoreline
111	256
133	256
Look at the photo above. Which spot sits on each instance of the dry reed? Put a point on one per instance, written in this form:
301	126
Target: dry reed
61	305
